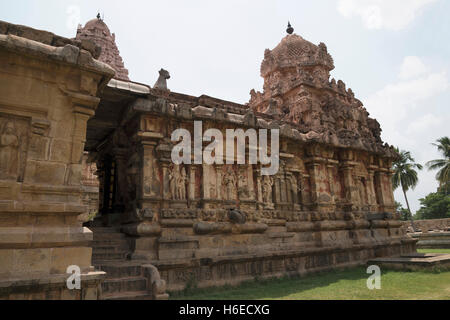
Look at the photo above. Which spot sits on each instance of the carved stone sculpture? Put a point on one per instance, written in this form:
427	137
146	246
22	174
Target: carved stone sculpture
161	83
229	182
9	151
267	189
181	184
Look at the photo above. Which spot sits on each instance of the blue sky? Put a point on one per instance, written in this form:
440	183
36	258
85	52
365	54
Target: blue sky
394	54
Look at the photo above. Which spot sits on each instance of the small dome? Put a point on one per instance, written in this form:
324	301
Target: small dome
97	24
295	51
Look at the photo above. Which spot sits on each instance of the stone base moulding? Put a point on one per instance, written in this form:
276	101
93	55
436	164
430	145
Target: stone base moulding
53	287
233	270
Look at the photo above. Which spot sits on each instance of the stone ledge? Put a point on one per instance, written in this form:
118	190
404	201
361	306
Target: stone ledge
416	261
171	263
46	37
69	54
44	237
12	206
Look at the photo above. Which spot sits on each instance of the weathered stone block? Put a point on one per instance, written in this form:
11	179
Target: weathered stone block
60	150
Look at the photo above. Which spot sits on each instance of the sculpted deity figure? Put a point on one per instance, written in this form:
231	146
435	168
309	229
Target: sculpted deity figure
267	189
173	179
9	151
181	184
230	183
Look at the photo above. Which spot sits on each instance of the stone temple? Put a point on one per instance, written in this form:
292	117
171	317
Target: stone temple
78	137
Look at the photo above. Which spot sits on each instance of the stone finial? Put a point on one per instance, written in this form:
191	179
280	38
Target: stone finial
289	29
161	83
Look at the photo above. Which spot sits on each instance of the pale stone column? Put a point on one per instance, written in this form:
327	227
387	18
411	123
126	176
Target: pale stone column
306	196
165	182
371	189
331	166
251	185
313	169
292	182
219	181
390	190
259	195
148	170
206	179
277	189
384	190
350	189
192	173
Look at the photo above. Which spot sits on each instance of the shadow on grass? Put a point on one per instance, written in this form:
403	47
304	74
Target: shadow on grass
273	288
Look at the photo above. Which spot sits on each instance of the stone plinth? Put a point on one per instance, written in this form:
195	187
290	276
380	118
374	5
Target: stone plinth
415	262
432	240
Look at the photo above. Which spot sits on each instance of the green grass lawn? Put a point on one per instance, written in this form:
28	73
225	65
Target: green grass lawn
341	285
433	250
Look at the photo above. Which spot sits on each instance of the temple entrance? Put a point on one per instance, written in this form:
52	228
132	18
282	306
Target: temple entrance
108	207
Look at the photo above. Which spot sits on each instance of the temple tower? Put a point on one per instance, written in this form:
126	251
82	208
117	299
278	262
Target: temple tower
98	32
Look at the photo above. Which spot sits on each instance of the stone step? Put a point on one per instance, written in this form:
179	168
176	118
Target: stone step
137	295
110	248
128	284
101	262
119	270
104	230
108	242
109	256
109	236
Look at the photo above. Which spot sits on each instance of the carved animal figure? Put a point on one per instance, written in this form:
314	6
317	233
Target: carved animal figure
161	83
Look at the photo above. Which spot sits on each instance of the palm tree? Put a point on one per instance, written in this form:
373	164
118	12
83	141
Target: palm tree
443	175
405	175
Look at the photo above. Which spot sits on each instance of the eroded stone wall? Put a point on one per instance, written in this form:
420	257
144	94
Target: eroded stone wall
47	94
327	207
428	225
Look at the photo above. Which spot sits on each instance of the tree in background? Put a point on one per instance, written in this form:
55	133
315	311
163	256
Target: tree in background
443	165
435	206
404	213
405	175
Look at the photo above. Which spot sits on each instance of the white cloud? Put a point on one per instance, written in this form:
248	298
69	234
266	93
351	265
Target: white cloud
401	97
423	124
411	67
412	117
383	14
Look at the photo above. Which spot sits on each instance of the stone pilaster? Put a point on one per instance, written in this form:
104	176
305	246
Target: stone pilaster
320	198
259	194
371	189
331	167
351	195
218	168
